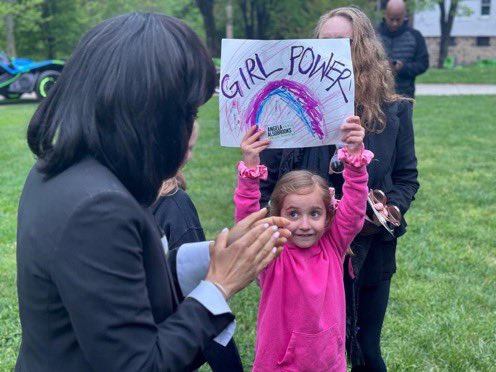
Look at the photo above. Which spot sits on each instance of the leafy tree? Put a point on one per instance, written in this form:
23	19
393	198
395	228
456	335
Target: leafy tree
15	17
446	19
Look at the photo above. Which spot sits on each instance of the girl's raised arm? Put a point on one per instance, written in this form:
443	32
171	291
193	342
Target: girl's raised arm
247	193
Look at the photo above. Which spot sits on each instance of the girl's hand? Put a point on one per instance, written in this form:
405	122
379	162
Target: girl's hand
251	146
353	134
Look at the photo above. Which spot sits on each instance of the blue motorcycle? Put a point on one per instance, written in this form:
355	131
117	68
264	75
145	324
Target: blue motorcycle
23	75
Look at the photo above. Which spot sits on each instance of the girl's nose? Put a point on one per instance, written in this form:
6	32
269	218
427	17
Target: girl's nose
304	223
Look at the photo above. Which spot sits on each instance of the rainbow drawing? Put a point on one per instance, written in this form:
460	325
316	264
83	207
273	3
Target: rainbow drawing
297	97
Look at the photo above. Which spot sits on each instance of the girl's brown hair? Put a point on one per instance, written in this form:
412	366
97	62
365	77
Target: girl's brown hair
300	182
374	82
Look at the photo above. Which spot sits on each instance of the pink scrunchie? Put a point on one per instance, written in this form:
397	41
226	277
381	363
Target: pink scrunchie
259	172
364	158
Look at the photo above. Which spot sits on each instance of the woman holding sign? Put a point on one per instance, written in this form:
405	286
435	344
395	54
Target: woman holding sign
387	119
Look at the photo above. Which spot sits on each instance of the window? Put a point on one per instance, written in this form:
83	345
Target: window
485	7
483	41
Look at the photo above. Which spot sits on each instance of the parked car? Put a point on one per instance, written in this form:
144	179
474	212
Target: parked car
23	75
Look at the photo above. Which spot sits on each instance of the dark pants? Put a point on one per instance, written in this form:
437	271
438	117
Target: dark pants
372	304
223	359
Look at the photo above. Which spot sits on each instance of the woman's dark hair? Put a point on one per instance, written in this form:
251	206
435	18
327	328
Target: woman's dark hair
127	97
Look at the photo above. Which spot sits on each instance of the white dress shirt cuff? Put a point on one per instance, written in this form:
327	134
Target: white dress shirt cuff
192	265
211	297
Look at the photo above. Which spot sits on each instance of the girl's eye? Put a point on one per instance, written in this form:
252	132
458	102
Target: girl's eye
293	214
315	214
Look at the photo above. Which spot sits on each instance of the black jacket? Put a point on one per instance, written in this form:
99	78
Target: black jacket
393	170
408	46
95	291
176	215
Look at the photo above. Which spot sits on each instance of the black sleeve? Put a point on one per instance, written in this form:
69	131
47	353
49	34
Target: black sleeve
99	272
420	62
404	174
271	158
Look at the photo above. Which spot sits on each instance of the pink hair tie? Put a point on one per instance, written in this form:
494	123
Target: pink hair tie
364	158
259	172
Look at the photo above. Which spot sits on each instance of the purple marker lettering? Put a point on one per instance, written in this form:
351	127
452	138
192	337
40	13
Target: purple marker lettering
250	66
312	58
293	57
262	69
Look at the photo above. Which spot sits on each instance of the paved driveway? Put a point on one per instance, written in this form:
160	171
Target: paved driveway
453	89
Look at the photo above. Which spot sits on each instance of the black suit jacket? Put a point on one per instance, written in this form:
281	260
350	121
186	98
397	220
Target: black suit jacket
393	170
95	291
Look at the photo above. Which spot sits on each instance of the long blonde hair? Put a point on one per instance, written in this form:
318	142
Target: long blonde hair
374	82
171	185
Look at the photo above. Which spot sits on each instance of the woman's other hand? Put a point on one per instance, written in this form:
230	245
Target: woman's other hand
353	134
233	266
251	146
259	218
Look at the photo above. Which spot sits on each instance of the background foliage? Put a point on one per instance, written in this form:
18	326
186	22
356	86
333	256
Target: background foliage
51	28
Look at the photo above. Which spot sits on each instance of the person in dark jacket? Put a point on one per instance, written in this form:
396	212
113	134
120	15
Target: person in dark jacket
95	289
178	218
387	118
405	47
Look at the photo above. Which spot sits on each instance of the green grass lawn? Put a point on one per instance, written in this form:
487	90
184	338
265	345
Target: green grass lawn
473	74
442	312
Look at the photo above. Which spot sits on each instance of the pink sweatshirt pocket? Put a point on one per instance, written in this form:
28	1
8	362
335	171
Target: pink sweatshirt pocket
317	352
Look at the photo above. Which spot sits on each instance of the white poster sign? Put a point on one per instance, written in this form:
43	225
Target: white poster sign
299	91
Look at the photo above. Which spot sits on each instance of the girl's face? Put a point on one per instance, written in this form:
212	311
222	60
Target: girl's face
336	27
307	214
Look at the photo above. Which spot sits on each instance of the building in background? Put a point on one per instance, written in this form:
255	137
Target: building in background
473	37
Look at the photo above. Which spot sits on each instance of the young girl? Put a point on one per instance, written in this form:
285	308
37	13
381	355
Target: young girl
301	318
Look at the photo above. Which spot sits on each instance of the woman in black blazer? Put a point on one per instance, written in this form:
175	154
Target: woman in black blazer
387	119
95	289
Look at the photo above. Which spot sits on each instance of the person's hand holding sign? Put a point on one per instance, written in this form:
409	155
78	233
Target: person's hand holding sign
353	134
251	146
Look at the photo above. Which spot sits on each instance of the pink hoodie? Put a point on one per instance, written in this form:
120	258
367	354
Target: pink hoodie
302	313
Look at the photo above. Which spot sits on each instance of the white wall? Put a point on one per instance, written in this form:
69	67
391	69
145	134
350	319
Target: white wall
427	22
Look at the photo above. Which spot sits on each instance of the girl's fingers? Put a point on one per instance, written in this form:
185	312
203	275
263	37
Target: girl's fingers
248	133
254	138
353	119
261	143
354	133
351	126
353	140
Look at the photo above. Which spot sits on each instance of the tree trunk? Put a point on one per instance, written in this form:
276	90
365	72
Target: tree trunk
247	11
48	38
262	19
229	20
207	10
446	23
10	33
